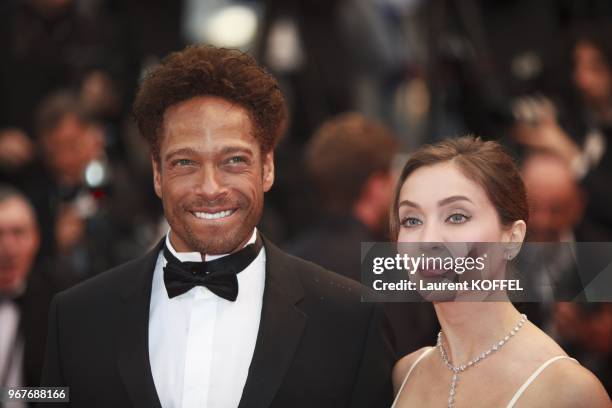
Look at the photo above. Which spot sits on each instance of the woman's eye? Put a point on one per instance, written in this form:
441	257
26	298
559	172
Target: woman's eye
457	218
411	222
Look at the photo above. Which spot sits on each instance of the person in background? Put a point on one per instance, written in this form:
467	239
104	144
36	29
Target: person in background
583	136
27	285
556	201
349	160
593	79
556	204
17	151
68	142
79	195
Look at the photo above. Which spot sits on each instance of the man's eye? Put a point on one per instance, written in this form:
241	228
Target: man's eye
411	222
458	218
182	162
236	160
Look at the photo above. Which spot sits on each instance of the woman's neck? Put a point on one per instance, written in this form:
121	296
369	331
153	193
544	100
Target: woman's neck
470	328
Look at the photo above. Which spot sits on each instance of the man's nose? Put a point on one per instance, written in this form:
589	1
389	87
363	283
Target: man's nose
211	183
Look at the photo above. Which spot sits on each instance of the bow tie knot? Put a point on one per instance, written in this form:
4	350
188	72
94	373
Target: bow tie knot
219	275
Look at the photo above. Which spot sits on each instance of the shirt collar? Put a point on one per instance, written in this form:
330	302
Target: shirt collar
196	256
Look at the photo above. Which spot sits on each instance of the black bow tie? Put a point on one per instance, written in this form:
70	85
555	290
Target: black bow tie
219	276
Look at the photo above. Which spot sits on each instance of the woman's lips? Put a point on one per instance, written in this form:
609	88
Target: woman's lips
432	273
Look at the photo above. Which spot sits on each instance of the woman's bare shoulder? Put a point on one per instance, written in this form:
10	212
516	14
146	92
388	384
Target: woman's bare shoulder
568	384
403	365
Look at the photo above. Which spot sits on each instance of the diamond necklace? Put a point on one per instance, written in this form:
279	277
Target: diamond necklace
471	363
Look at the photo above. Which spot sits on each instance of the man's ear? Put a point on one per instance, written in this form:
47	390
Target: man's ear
268	170
156	176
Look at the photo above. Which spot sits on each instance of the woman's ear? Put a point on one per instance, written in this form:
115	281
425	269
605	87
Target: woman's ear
514	237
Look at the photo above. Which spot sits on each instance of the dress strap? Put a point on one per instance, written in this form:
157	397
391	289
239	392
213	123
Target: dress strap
533	376
423	354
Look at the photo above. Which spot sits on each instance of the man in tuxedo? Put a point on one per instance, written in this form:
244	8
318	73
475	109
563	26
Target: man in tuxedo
216	315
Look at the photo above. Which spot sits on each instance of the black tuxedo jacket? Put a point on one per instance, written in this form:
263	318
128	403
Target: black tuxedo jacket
34	306
318	345
42	284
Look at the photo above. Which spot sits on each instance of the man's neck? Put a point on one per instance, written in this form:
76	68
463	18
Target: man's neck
195	256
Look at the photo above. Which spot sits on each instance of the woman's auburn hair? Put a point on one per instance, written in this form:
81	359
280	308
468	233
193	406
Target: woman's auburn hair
484	162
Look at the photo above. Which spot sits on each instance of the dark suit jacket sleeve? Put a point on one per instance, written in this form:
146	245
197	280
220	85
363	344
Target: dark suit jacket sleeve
373	388
52	371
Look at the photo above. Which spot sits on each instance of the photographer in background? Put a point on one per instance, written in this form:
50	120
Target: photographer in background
583	138
78	194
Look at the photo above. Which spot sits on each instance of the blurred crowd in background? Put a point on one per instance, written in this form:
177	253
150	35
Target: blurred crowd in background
366	82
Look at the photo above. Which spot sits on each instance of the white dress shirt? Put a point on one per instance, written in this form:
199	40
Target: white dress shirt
11	349
201	345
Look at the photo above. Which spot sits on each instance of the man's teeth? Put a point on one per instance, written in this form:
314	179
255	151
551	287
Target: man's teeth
214	216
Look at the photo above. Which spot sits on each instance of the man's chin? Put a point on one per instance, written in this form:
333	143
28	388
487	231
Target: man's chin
217	238
221	244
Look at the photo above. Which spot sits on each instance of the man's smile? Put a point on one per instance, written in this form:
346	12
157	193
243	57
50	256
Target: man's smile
213	215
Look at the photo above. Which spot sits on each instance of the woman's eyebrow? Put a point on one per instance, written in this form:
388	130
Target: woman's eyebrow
452	199
408	203
445	201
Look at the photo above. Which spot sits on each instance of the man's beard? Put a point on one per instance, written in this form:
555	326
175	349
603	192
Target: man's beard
218	239
218	242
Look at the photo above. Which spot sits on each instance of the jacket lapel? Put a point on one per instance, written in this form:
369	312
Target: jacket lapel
133	334
280	330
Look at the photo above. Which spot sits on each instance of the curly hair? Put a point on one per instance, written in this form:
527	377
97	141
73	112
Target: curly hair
205	70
